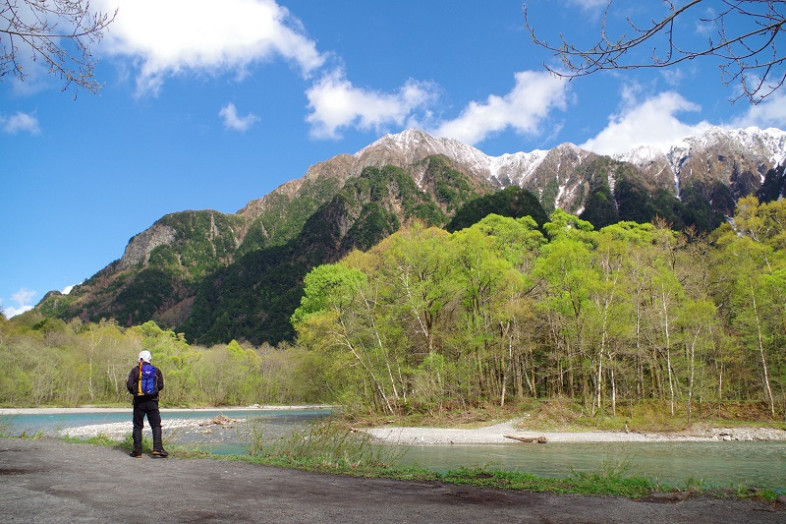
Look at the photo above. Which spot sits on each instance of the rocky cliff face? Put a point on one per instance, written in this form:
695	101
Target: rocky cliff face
142	245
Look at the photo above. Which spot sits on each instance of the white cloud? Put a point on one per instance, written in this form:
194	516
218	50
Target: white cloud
771	112
23	296
649	123
19	123
705	25
37	76
590	4
235	122
533	97
11	312
23	299
167	37
335	103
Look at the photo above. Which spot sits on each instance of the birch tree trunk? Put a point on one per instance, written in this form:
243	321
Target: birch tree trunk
765	370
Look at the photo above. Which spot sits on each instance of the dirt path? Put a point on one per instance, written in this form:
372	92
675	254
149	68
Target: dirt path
53	481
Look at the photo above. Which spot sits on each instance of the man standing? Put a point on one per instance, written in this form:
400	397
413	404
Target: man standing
144	382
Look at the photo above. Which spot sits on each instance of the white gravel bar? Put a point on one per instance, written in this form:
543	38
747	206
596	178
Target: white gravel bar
493	434
500	433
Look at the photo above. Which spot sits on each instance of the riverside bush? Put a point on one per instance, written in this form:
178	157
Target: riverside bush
329	443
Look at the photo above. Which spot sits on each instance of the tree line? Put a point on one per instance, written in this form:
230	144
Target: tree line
50	362
504	310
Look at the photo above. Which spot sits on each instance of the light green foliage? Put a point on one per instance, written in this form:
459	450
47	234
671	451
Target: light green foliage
631	233
329	287
516	240
765	223
227	375
416	276
755	291
565	224
428	321
89	364
497	312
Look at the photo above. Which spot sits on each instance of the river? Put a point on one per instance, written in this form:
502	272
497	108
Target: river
721	464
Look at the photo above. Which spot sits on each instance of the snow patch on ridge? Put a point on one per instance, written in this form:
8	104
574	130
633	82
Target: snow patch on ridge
519	167
510	168
560	192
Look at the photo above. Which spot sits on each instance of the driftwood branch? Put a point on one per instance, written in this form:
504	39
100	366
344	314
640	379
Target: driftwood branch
220	420
539	440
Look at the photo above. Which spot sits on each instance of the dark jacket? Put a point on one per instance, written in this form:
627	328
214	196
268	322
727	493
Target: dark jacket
133	380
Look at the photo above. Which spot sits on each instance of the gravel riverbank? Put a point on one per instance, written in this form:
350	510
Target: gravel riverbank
502	433
509	432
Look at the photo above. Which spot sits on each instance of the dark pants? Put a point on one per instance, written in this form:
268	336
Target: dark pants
149	408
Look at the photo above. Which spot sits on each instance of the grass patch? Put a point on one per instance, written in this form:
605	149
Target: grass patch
127	444
600	483
331	443
98	440
333	447
644	416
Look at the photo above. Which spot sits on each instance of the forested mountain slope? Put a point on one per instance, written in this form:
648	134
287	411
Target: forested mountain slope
218	276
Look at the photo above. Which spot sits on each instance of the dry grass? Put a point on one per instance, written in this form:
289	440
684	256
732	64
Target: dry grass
646	416
568	415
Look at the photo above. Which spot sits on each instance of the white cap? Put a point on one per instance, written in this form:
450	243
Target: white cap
145	356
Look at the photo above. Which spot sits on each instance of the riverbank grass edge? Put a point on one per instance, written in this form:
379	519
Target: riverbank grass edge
333	447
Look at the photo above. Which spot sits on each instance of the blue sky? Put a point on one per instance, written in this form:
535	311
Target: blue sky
207	107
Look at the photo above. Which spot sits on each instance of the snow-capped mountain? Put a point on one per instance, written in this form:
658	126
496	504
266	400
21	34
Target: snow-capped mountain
736	158
411	146
195	270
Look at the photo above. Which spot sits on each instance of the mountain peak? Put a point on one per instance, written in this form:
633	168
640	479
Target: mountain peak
405	140
410	146
416	140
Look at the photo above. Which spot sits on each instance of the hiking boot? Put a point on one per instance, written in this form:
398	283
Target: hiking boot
136	454
160	453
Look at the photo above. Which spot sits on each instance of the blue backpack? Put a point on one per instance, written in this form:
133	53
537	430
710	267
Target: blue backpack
147	384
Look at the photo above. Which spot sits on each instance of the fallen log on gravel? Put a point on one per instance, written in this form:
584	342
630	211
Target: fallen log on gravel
539	440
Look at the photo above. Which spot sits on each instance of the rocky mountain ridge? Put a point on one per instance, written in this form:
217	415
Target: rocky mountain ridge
715	154
222	276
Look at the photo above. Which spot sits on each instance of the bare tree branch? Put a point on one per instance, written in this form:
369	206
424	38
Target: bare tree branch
746	38
58	33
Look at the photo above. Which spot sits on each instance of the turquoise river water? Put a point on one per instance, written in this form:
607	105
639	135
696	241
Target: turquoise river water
722	464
